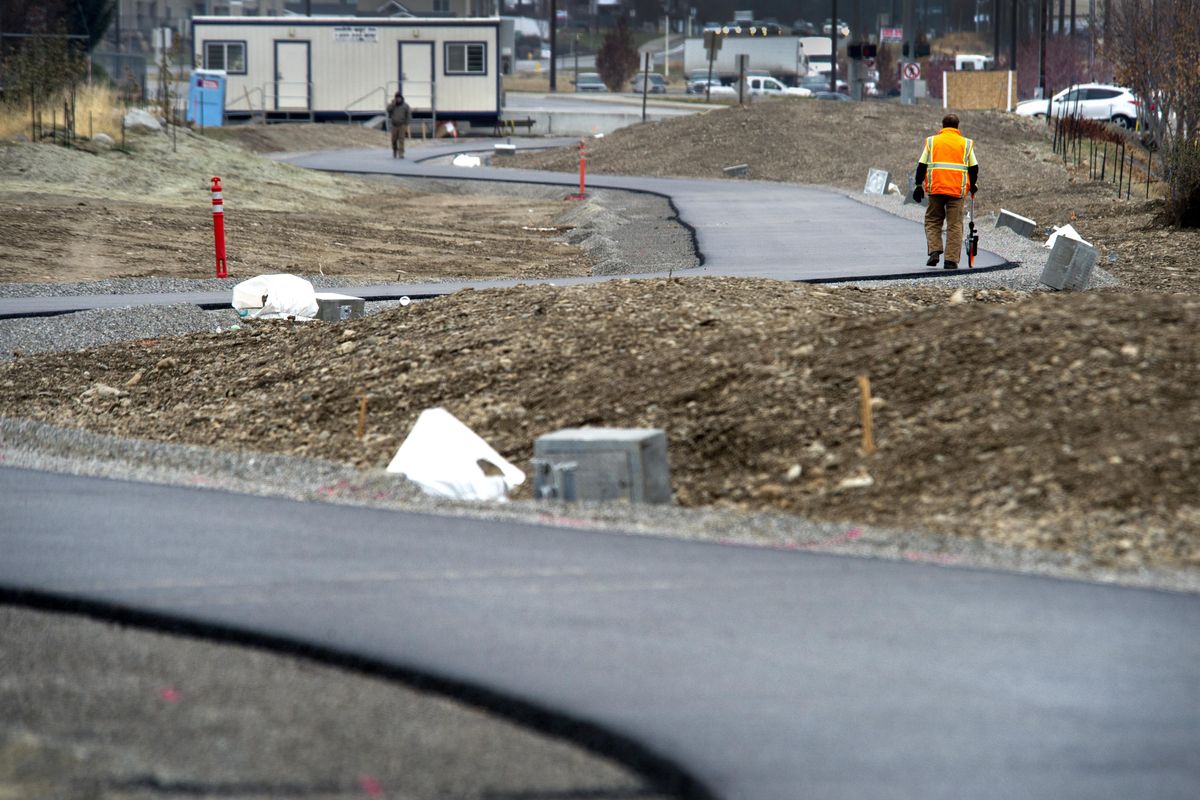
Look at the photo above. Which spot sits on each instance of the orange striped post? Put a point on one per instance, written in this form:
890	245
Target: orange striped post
218	211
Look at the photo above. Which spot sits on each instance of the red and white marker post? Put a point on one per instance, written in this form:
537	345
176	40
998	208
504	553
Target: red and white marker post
582	174
218	210
582	167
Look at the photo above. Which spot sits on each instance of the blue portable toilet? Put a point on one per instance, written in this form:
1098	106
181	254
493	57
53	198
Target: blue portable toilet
206	98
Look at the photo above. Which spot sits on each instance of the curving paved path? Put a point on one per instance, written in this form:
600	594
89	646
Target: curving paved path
765	675
756	229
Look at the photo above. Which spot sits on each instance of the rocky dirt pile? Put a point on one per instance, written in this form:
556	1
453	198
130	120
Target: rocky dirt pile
1056	421
828	143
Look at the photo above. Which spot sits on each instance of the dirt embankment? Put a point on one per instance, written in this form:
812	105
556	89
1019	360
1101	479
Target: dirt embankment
80	216
828	143
1058	421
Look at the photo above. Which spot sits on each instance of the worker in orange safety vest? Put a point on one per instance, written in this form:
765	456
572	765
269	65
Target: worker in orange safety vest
946	172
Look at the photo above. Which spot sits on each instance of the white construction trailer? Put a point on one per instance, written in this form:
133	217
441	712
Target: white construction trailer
348	68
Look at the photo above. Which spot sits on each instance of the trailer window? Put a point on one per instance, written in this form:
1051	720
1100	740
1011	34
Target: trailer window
229	56
466	58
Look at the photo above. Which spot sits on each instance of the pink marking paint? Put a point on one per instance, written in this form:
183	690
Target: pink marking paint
370	786
170	695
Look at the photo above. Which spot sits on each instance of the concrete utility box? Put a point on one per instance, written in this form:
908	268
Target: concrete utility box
1070	265
334	307
1016	223
877	181
611	463
912	184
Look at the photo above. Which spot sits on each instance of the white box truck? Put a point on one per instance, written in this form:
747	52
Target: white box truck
780	56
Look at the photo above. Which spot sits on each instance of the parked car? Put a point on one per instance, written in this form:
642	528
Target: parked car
589	82
657	83
843	28
759	85
1090	101
714	89
820	83
698	85
803	27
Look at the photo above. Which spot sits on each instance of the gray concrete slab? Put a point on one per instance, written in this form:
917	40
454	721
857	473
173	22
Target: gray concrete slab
765	675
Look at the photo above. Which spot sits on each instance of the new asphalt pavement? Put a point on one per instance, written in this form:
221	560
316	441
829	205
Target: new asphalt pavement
743	228
749	674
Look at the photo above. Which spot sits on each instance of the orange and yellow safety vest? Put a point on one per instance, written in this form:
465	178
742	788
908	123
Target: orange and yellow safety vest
947	155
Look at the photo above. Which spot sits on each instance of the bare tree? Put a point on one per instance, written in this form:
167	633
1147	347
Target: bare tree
1155	48
617	59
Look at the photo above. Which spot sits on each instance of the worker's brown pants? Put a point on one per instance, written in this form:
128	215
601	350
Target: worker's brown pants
944	208
398	133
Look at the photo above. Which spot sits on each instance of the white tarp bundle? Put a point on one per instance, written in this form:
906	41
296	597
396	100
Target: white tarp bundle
275	297
1067	231
441	456
464	160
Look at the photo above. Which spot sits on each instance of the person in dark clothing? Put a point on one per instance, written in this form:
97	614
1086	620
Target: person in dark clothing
399	115
946	171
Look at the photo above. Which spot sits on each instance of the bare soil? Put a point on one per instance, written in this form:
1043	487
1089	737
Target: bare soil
1065	422
835	144
76	217
1057	421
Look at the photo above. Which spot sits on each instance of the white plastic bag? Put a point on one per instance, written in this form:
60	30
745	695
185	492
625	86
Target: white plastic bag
440	455
465	160
275	297
1067	231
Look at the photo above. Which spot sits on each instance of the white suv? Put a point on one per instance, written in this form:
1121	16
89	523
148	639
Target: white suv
1090	101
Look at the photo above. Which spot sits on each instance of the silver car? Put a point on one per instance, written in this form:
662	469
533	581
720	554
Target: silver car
589	82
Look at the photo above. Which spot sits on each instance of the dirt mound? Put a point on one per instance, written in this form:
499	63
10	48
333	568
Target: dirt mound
1062	421
302	137
835	144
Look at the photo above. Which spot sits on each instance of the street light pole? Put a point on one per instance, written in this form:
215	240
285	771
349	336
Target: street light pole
553	45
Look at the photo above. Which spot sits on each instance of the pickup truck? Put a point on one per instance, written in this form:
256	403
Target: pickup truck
759	85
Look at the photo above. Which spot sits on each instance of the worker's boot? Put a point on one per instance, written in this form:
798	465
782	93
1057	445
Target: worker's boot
934	258
950	265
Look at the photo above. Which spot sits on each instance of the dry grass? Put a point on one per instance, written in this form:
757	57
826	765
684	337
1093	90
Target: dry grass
97	110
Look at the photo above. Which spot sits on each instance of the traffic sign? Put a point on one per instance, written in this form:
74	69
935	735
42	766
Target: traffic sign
911	70
869	63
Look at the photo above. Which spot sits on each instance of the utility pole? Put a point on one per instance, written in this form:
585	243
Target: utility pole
1044	16
996	32
1012	34
553	45
833	37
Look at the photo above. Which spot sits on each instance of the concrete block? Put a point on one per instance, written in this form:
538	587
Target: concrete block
609	464
737	171
1070	265
877	181
1015	222
912	184
334	307
504	149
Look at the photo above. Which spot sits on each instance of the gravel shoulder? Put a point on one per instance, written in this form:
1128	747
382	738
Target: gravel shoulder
93	709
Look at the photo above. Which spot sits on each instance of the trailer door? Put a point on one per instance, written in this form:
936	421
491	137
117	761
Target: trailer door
416	74
292	76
